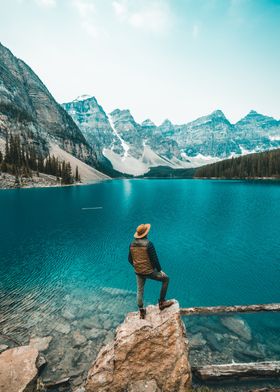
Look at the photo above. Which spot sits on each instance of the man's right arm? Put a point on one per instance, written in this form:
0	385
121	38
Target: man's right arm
153	257
130	257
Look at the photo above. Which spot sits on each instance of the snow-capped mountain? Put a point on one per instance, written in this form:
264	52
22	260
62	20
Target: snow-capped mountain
134	148
256	132
94	123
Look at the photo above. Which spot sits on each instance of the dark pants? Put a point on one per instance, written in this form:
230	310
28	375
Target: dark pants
155	275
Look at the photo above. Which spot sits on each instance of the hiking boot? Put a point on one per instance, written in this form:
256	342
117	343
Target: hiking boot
162	304
142	313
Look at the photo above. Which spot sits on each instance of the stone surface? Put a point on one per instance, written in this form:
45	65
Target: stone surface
152	351
41	344
95	333
62	328
18	370
68	315
238	326
3	347
79	339
41	362
197	341
79	389
143	386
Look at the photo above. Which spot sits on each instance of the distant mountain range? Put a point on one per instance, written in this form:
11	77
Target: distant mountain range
28	109
135	149
82	133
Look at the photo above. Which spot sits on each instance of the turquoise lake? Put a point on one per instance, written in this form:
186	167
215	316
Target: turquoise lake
217	240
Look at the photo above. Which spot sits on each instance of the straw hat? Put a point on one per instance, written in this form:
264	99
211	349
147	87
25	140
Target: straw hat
142	230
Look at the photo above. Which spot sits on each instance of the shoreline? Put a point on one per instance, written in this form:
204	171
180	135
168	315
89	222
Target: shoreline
7	182
239	178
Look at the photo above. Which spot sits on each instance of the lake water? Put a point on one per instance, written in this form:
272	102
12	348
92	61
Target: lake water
64	267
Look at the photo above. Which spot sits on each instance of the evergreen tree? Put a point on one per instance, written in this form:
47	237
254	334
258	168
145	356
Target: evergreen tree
264	164
22	160
66	176
77	175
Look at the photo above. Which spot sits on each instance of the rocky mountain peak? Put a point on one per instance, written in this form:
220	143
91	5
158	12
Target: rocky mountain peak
166	123
124	121
256	118
83	105
167	127
148	123
121	114
217	114
252	113
83	97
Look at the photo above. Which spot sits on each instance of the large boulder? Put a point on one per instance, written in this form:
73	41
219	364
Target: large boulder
18	369
150	354
41	344
238	326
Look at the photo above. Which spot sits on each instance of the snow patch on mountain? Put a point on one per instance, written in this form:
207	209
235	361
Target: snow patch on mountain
152	159
125	146
274	138
199	160
244	151
126	165
82	97
137	167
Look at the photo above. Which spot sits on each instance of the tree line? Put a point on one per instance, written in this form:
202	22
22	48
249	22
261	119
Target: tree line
257	165
23	160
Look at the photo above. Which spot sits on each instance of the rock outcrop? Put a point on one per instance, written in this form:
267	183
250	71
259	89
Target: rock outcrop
19	369
146	355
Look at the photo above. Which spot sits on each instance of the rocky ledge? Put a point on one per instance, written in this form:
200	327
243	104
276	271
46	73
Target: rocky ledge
19	369
146	355
8	181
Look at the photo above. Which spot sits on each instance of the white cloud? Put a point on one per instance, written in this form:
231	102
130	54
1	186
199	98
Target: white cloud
46	3
120	8
42	3
86	10
143	14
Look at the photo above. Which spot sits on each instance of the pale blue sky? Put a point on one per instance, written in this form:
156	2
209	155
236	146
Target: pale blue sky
176	59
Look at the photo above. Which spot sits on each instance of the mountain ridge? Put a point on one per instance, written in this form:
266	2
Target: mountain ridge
204	140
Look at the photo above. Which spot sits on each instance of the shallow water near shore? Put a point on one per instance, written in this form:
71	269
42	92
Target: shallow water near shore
65	274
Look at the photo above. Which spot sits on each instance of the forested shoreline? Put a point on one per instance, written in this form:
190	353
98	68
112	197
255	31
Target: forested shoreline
258	165
24	161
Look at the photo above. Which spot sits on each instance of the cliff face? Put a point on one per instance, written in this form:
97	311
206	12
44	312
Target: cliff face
146	355
94	123
27	108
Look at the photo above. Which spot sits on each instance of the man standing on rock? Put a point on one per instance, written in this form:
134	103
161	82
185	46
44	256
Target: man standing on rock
142	255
